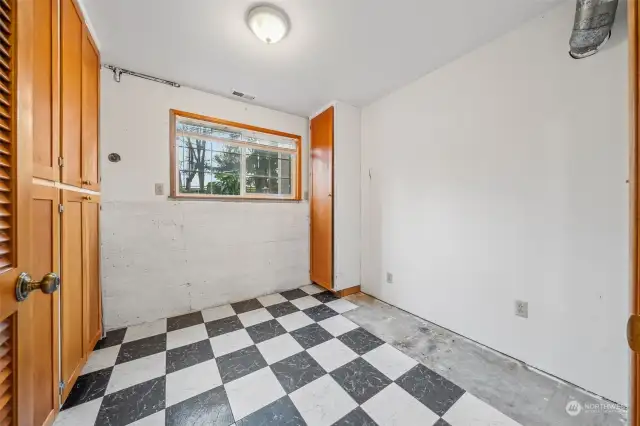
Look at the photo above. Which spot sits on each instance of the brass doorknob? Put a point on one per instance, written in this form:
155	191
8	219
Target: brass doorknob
25	285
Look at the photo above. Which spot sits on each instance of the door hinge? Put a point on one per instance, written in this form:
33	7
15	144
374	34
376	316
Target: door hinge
61	161
633	332
61	387
60	208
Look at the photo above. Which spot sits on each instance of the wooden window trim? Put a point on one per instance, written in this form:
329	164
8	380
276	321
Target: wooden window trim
174	114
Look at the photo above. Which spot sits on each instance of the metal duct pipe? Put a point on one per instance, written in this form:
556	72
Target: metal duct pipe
591	26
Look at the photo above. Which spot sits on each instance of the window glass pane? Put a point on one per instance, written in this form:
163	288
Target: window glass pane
261	185
207	167
262	163
285	170
285	185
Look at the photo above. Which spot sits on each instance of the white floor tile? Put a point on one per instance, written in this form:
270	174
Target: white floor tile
252	392
470	411
186	336
137	371
80	415
255	317
393	406
294	321
312	289
192	381
332	354
389	361
279	348
338	325
157	419
230	342
272	299
322	402
306	302
341	306
217	313
103	358
148	329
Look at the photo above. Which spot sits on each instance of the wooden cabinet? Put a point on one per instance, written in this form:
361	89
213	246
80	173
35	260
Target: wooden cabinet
46	141
71	35
72	295
81	321
335	198
91	247
90	106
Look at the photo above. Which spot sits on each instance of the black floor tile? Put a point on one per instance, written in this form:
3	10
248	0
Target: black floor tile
240	363
210	408
320	312
296	371
223	326
246	306
360	340
279	413
265	331
113	337
140	348
294	294
360	379
356	418
326	296
131	404
188	355
88	387
184	321
311	335
282	309
441	422
430	388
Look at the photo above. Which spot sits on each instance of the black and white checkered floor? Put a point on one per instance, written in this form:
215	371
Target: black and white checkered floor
283	359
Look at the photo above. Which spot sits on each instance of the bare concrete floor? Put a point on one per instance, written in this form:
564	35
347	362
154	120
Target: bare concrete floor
527	396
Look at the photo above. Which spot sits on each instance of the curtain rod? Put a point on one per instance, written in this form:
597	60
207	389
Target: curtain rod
117	73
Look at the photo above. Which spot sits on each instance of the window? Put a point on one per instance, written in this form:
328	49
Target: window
213	158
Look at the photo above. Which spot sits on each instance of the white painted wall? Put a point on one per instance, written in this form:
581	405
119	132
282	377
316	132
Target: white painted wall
346	196
163	257
501	176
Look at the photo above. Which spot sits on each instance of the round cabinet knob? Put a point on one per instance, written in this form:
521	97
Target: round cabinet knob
25	285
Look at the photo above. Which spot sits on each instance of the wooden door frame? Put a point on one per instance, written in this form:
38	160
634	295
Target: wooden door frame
634	180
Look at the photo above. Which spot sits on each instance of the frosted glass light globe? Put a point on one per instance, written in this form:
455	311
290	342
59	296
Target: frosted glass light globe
268	23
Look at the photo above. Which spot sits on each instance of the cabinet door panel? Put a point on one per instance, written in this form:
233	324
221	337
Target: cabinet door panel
90	117
45	237
93	322
45	91
71	92
72	292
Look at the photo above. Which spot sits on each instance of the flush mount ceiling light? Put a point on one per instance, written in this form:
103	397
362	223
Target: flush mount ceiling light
268	23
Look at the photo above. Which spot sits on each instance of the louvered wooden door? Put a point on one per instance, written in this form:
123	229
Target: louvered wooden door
28	220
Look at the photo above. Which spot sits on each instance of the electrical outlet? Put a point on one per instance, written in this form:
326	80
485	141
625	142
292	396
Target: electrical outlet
389	278
159	189
522	309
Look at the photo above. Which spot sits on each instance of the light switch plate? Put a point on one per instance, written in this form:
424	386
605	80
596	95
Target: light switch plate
159	189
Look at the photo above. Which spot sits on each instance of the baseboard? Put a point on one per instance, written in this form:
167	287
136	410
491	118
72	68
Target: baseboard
347	291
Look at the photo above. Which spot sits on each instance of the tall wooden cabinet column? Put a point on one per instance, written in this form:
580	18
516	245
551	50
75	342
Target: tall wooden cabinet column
80	316
335	199
65	162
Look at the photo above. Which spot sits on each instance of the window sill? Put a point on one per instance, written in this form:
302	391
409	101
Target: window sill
236	199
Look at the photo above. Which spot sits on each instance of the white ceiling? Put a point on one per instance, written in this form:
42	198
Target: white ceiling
350	50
